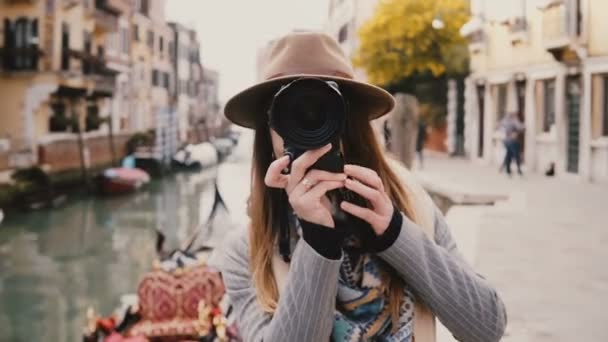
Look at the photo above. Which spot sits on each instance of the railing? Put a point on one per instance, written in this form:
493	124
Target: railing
476	41
20	59
518	25
104	85
12	2
518	29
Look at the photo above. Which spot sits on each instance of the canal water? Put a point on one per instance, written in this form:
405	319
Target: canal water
54	264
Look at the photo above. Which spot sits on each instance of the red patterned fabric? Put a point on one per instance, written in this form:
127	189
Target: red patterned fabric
169	301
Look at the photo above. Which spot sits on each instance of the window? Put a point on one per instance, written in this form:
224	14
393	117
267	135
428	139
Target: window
501	101
549	105
343	34
124	41
599	106
65	46
171	48
605	107
136	33
144	7
92	119
161	45
21	39
86	62
58	121
166	80
155	78
150	39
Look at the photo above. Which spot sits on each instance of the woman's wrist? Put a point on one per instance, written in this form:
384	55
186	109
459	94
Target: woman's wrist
390	234
324	240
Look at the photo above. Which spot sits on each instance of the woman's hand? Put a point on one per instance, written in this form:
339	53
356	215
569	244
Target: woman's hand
368	185
306	189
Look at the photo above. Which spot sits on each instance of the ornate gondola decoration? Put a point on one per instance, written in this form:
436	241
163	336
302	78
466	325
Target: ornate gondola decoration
181	299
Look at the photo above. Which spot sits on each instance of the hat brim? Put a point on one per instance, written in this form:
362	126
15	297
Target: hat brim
249	107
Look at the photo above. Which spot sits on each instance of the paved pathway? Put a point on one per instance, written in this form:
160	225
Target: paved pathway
545	249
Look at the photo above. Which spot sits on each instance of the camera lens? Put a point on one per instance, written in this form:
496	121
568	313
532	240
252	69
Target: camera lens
308	113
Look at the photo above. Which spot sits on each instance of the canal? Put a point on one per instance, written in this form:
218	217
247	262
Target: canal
54	264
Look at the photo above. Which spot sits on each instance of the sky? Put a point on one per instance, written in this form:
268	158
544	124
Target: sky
231	31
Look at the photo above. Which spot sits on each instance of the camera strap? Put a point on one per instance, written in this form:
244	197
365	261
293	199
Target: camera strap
284	228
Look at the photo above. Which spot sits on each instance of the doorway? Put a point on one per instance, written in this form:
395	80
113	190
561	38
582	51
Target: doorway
480	119
573	105
520	93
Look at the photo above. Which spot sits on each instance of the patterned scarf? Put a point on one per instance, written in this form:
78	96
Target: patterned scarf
362	308
362	312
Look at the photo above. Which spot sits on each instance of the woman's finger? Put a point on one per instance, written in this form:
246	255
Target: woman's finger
321	188
364	175
274	178
374	196
304	162
365	214
313	177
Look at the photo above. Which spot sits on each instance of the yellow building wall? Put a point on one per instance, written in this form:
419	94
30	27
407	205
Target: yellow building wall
500	53
598	28
12	92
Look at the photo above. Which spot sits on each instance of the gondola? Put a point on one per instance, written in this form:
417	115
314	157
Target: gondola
121	180
182	298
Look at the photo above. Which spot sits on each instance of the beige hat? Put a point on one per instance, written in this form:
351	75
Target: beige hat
306	54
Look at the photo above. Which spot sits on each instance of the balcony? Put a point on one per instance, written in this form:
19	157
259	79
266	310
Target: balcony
561	29
518	30
473	31
103	86
20	58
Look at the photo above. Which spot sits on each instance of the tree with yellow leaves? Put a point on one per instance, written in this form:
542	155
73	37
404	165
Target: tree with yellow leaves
400	41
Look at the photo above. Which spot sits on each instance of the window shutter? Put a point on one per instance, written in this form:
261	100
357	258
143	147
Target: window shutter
34	42
9	35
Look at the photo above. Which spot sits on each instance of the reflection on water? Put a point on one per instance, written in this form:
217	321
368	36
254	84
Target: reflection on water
54	264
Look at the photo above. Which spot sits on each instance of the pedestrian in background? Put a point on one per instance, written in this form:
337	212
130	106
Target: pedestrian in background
420	141
383	279
512	128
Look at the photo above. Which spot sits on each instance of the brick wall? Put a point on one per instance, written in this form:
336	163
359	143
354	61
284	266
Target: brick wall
4	161
61	154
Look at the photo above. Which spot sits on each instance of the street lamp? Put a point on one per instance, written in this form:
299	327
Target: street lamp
437	23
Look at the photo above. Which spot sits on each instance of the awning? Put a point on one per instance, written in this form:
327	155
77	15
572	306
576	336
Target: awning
473	25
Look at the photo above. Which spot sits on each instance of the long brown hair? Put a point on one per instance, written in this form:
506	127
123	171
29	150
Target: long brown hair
360	147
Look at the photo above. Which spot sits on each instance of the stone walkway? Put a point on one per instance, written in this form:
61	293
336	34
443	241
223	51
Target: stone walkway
545	249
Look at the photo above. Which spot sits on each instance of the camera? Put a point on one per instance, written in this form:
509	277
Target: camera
308	113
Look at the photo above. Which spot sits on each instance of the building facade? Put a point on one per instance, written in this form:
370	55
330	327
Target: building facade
56	75
92	66
344	19
188	78
213	121
547	61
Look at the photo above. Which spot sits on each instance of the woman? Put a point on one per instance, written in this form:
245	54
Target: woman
336	287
